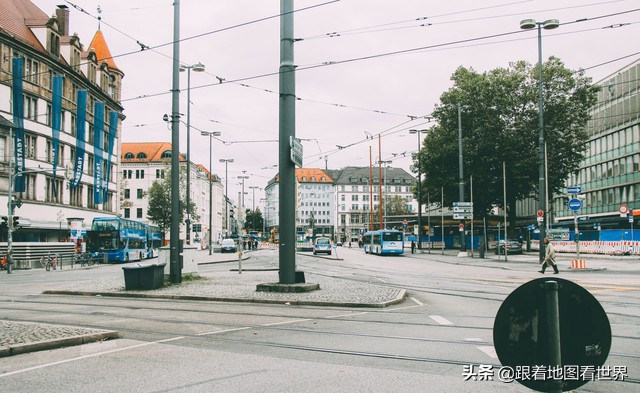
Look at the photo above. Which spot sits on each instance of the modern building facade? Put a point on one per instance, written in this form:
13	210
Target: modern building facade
53	198
148	162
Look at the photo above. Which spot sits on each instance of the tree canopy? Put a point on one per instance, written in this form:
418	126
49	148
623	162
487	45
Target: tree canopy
499	122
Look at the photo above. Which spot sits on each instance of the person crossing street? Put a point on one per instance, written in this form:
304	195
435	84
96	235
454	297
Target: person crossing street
549	258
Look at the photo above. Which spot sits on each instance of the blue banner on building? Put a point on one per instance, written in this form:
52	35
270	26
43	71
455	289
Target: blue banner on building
98	150
81	117
56	122
18	120
113	126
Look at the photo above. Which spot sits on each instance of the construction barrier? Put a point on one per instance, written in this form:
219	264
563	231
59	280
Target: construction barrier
622	247
578	264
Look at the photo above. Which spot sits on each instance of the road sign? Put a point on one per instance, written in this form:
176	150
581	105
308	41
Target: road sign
575	204
457	209
540	213
462	204
583	218
520	334
461	227
461	216
574	190
623	210
296	151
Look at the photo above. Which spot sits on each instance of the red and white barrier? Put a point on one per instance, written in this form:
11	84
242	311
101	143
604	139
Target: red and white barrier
578	264
622	247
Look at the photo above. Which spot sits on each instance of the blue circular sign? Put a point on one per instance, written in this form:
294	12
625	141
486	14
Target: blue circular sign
575	204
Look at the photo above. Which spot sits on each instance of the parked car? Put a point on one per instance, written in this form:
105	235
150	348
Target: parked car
322	245
228	245
513	247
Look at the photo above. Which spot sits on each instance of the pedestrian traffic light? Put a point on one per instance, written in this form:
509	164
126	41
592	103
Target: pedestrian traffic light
16	221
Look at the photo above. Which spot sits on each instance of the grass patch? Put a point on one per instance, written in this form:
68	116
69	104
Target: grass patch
189	277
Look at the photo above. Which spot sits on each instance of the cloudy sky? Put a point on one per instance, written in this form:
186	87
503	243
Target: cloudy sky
393	61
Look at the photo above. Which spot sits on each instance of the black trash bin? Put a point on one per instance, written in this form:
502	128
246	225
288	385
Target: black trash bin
144	276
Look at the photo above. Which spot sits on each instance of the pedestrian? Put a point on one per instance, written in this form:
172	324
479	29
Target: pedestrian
549	258
349	243
413	247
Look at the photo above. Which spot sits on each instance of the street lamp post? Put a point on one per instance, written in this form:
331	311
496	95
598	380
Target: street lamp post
210	135
548	24
254	205
419	188
242	178
226	190
384	190
197	68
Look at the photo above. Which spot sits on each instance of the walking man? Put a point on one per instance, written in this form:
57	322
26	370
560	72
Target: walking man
549	258
413	247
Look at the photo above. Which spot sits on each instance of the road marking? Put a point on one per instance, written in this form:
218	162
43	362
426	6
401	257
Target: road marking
417	301
286	322
441	320
348	315
223	331
89	356
382	280
474	339
489	351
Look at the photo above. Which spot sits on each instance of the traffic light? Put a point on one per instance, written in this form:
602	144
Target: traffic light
231	213
16	221
248	212
4	223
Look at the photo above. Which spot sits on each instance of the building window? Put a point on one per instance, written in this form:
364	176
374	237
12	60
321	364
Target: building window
30	108
139	173
166	154
75	196
128	156
140	193
90	162
31	71
141	156
127	213
139	212
159	173
30	146
127	193
90	201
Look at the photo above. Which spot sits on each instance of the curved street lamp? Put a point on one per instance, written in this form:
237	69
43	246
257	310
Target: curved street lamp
210	135
199	67
549	24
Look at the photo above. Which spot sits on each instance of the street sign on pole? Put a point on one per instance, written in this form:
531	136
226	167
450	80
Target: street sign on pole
540	214
623	210
575	204
462	204
574	190
296	151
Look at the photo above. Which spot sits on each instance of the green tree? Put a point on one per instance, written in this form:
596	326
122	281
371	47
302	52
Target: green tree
499	117
254	216
160	208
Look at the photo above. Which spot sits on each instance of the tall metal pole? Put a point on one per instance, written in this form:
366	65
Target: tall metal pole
10	206
226	198
210	190
187	222
420	195
370	190
380	176
174	264
463	246
542	194
287	115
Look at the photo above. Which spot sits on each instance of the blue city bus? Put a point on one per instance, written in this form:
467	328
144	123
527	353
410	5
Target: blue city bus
154	240
384	242
121	239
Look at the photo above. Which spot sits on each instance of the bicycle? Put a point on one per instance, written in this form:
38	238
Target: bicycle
81	258
50	260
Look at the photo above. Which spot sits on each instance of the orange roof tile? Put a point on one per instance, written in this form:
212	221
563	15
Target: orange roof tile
16	15
152	151
99	45
310	175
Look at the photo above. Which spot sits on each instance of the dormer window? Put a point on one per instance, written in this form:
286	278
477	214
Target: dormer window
166	154
128	156
141	156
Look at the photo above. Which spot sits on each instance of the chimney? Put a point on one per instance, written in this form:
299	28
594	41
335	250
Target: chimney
62	14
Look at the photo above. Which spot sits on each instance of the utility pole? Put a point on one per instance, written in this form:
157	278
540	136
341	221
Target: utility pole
175	268
10	204
287	116
463	246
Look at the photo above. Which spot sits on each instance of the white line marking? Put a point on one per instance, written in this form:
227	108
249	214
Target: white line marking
417	301
348	315
381	280
489	351
89	356
441	320
474	339
286	322
223	331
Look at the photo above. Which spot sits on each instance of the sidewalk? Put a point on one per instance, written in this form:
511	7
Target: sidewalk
229	286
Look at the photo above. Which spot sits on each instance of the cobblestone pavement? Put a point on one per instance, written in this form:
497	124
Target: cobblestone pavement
22	337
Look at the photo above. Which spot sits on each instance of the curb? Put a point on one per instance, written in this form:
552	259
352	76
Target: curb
399	298
57	343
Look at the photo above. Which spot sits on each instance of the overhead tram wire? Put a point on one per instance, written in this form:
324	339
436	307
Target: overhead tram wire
380	55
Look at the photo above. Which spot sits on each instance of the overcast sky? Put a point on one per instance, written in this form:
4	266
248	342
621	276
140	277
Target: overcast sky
385	94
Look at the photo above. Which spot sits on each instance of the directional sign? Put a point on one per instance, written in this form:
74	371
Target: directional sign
574	190
296	151
461	216
583	218
521	336
457	209
462	204
575	204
